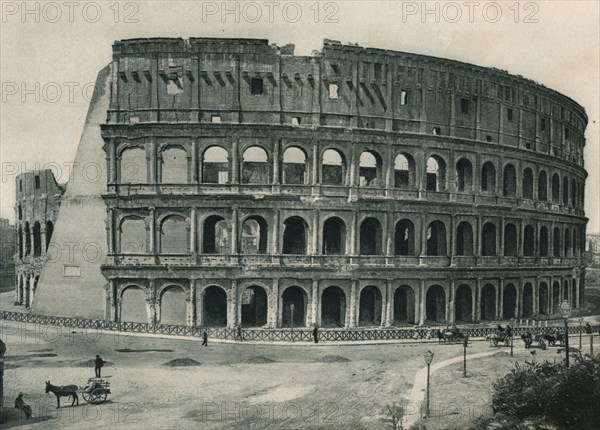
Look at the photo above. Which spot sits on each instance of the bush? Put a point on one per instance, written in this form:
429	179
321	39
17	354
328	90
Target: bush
550	392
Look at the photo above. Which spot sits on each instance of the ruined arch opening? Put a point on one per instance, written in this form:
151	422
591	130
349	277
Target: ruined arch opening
566	191
573	193
488	239
567	242
509	302
488	178
543	186
293	310
509	181
529	241
333	307
173	306
566	290
464	239
215	166
488	302
404	238
544	242
49	232
464	175
527	184
37	239
294	166
555	296
215	235
214	307
556	242
255	166
436	174
436	239
295	236
133	166
27	233
333	168
370	237
133	305
510	240
174	235
543	299
463	304
404	171
254	306
369	169
555	188
404	305
369	313
254	233
527	300
334	236
174	166
435	304
20	239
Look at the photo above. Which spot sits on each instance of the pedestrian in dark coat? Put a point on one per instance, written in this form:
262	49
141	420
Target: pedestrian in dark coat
588	328
239	332
316	334
99	365
22	406
205	338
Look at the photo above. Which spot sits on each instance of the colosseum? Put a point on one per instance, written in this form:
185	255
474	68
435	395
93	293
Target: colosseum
352	187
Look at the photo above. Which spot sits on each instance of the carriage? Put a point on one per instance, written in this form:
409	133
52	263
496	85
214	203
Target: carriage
497	338
96	391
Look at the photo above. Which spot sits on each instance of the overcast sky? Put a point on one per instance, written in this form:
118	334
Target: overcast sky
53	50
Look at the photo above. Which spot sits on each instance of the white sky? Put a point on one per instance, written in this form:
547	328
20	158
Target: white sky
561	50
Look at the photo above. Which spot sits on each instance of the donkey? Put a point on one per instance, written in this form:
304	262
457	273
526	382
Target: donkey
63	391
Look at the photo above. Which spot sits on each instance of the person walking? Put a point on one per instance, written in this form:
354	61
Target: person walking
99	365
239	332
205	338
315	334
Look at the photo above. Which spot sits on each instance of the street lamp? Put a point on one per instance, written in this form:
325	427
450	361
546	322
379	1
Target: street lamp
292	317
428	360
465	343
565	310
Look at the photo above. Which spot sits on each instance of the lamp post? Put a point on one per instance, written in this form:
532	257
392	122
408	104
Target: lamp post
565	309
292	318
428	360
580	322
465	343
512	320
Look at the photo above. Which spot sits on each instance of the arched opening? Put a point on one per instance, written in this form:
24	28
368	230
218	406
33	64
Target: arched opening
215	166
528	184
370	237
173	306
254	306
509	302
556	242
369	313
436	239
294	166
574	295
333	168
20	212
254	236
255	166
543	186
404	305
294	236
174	237
555	297
488	302
435	304
20	238
133	305
527	300
27	234
510	240
509	183
543	299
544	242
333	307
566	191
297	297
133	166
463	304
404	238
174	169
334	236
488	239
575	242
133	236
566	290
567	243
464	239
436	174
215	236
488	178
529	241
214	307
37	239
369	170
49	232
464	175
555	188
573	193
404	171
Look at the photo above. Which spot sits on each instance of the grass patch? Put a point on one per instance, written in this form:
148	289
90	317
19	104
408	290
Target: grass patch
182	362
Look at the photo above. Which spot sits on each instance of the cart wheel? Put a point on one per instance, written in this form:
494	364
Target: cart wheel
97	396
86	396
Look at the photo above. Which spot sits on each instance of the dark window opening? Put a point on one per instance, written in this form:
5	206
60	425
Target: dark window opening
256	86
37	182
464	105
509	114
543	124
488	138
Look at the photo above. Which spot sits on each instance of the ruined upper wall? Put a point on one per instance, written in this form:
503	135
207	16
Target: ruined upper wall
38	196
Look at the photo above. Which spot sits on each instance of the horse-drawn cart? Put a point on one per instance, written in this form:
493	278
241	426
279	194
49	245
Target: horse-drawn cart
96	391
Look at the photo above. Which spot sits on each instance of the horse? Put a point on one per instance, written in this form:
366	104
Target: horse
63	391
527	339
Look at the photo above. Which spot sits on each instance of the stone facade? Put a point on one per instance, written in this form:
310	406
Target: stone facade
36	209
7	255
353	187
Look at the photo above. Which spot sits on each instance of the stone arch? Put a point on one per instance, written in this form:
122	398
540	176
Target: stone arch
436	239
27	234
435	304
49	232
334	236
464	239
488	302
404	238
464	175
215	235
529	241
566	191
544	242
254	235
509	181
369	169
256	168
435	174
488	178
295	170
255	306
174	165
510	240
527	183
333	167
133	166
133	302
174	235
404	305
556	241
573	193
333	307
295	233
404	171
173	307
555	188
463	303
567	242
488	239
370	237
509	301
556	299
566	290
215	165
21	243
298	297
527	300
214	306
370	305
543	299
132	232
543	186
37	239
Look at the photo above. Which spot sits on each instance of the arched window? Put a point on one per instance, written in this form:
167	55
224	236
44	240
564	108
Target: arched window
404	238
333	168
463	303
464	239
294	298
37	239
133	166
543	186
20	210
529	241
404	305
566	191
254	306
509	183
294	166
510	240
27	234
215	236
488	302
488	178
215	166
464	175
369	170
295	236
49	231
174	168
528	184
173	306
214	307
488	239
527	300
509	301
370	237
436	239
573	193
333	307
556	241
255	166
20	239
254	235
133	236
555	188
435	304
544	242
334	236
370	305
436	174
404	171
174	235
567	242
133	305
